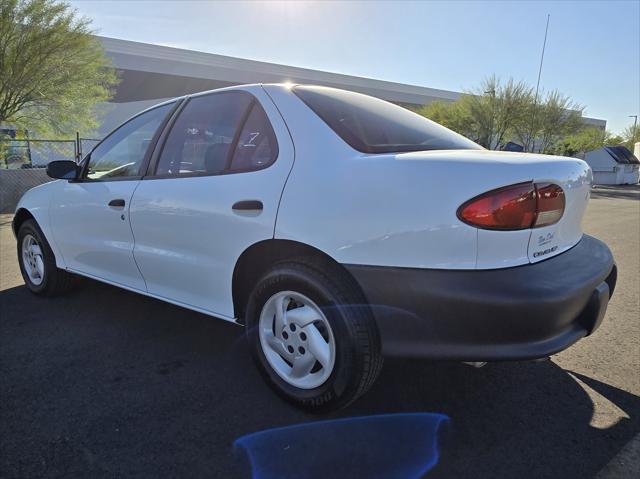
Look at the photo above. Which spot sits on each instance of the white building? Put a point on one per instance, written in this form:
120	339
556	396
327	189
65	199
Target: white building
613	165
152	73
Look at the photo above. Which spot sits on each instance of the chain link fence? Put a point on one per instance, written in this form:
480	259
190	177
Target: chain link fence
86	145
23	164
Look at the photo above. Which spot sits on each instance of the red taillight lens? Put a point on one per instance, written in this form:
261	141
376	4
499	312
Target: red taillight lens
517	207
510	208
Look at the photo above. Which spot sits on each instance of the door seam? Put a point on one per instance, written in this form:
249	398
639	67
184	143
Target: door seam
293	146
133	250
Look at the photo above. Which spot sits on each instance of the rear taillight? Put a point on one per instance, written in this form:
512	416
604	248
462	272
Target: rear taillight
550	204
516	207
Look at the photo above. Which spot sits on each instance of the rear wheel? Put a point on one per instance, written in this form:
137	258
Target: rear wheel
38	264
312	335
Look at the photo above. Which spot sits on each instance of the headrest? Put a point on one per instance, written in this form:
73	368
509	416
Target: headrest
215	159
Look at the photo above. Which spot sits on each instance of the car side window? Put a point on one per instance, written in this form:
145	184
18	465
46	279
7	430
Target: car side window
121	153
218	133
201	138
256	147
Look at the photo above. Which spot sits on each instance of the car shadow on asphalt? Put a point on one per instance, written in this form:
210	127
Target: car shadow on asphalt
508	420
104	382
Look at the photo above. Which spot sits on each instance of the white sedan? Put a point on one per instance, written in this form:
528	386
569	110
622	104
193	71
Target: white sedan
338	228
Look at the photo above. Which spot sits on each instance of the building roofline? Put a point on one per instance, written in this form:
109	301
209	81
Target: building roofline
160	59
153	58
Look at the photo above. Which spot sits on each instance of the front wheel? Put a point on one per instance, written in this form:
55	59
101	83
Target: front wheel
38	264
313	335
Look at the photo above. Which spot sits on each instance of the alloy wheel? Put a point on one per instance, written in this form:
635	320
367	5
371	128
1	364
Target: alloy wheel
32	259
297	339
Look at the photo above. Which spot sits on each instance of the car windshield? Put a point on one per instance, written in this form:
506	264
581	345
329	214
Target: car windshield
371	125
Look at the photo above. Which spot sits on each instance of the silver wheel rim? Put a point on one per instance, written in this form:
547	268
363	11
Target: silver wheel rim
32	259
297	340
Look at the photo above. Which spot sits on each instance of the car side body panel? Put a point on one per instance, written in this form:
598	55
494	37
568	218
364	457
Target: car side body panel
37	201
187	236
326	204
95	238
400	209
438	287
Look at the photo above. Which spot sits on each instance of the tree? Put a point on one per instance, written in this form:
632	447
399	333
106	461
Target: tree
53	72
449	114
558	117
544	124
631	136
498	112
486	114
586	139
613	140
495	107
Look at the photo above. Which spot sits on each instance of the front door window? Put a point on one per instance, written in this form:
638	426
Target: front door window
120	155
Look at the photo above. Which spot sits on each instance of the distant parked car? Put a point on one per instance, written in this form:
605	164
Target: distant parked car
14	154
336	227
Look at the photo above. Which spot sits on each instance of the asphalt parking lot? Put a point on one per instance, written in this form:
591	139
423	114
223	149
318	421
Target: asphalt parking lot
107	383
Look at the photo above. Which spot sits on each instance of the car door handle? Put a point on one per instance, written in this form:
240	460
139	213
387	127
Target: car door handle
117	203
247	205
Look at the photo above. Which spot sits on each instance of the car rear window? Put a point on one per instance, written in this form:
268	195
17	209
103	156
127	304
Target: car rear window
371	125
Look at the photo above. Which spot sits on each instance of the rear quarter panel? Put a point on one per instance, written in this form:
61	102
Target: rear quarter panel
400	209
575	178
368	209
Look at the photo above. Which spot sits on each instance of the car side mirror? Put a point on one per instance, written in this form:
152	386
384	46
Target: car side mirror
63	170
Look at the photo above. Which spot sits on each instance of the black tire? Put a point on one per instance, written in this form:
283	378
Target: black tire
358	359
55	281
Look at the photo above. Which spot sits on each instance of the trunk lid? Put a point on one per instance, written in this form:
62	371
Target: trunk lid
479	171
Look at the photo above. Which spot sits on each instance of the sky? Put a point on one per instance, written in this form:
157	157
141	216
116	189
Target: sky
592	53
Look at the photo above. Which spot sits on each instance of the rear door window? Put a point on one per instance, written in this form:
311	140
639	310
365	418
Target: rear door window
218	133
256	147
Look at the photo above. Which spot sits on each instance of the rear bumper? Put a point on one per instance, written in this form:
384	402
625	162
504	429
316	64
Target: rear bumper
524	312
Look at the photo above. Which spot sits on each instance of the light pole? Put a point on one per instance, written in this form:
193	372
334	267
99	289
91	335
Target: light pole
532	141
635	123
493	113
